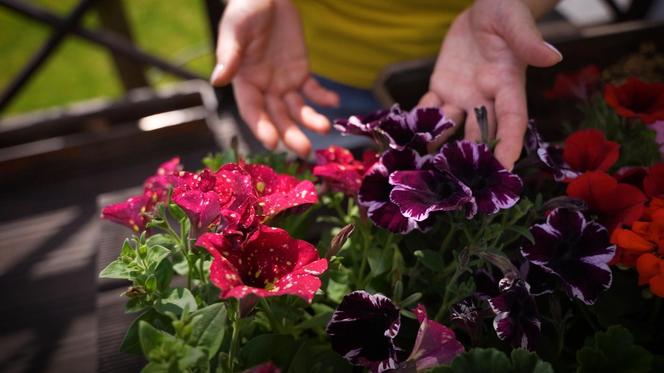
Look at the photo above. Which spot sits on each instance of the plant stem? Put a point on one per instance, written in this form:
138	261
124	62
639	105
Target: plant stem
235	337
444	305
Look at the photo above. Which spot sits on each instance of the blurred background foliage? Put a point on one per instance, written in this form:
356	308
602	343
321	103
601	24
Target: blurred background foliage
174	30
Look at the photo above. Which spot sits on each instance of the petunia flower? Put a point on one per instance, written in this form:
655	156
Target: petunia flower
337	166
419	193
636	99
588	150
363	328
196	196
614	203
577	85
645	235
414	129
575	250
363	125
375	190
517	319
653	182
166	177
632	175
270	263
130	213
435	343
651	272
492	186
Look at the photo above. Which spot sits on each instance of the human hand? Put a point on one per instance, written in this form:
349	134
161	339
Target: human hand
261	50
483	63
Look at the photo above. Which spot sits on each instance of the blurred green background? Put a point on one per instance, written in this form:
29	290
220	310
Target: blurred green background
78	70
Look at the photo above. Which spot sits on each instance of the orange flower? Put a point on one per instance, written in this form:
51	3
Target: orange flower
651	271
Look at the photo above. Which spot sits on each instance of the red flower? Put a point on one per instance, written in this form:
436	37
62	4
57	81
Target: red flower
156	186
651	272
614	203
130	212
196	196
269	263
588	150
278	192
653	183
338	167
632	175
637	99
575	85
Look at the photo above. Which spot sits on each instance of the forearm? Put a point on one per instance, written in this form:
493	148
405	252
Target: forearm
538	8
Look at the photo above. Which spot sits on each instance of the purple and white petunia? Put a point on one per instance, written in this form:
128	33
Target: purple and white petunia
575	250
492	186
362	330
418	193
375	191
516	318
549	154
413	129
362	125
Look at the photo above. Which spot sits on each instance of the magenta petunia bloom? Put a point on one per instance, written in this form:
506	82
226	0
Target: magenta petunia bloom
363	328
130	213
337	167
517	320
574	250
492	186
167	176
375	191
435	343
197	198
269	263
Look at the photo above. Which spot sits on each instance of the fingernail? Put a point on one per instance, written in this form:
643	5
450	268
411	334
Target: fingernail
560	55
216	73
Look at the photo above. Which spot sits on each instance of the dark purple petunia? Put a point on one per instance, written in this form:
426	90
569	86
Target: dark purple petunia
362	329
516	318
363	125
492	186
375	191
418	193
549	154
413	129
575	250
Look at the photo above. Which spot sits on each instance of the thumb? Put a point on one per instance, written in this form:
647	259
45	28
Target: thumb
229	52
525	40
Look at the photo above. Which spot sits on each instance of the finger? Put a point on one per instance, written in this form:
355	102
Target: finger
319	94
512	115
291	135
455	114
228	53
523	37
430	99
473	132
305	114
251	105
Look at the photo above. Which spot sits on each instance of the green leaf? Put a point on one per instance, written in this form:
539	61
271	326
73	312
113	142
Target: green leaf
116	269
131	343
151	338
156	254
192	359
524	361
479	360
614	351
430	259
522	231
336	290
177	212
208	328
380	259
127	250
277	348
175	300
153	367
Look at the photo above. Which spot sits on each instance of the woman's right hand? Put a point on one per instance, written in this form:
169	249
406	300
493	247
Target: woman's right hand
261	50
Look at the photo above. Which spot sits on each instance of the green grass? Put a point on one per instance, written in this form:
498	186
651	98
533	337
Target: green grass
79	70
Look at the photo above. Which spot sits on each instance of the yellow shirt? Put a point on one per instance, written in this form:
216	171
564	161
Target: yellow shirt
351	41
